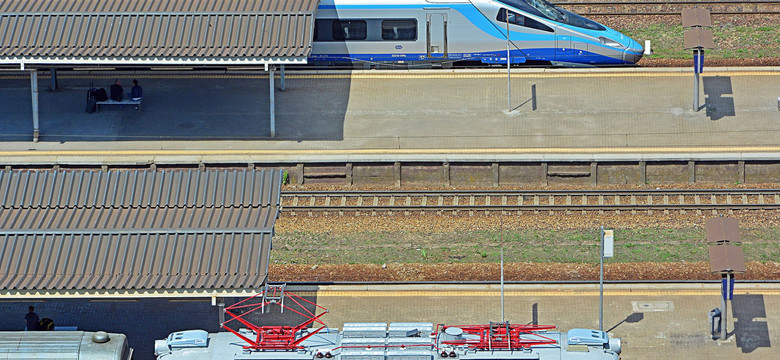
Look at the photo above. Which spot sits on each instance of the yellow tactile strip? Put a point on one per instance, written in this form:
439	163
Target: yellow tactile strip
520	293
486	151
405	75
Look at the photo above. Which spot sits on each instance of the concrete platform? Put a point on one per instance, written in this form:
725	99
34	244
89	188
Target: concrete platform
654	321
374	114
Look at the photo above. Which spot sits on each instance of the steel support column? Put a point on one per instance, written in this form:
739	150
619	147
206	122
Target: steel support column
34	90
696	79
271	95
724	304
281	74
53	72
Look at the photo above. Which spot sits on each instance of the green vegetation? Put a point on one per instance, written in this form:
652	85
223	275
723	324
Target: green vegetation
569	246
731	42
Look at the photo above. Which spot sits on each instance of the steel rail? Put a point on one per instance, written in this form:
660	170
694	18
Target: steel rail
534	200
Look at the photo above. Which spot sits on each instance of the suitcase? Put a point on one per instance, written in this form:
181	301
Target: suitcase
91	105
91	101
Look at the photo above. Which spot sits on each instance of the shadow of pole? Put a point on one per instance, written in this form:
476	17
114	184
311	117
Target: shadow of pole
532	100
716	104
751	333
631	319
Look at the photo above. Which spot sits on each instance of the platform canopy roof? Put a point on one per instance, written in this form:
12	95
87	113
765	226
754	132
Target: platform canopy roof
135	231
155	32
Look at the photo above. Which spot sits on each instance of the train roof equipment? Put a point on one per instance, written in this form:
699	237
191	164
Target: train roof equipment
273	337
378	340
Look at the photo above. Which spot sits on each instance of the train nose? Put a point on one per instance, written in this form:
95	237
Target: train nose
633	52
632	56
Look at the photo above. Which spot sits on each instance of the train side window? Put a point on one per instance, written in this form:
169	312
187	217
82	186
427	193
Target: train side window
514	18
349	30
399	29
323	30
517	19
533	24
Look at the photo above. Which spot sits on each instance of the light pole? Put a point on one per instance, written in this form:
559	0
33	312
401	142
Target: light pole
726	258
508	71
607	250
697	36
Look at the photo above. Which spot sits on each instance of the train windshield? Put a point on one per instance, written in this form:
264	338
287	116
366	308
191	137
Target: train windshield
551	12
539	7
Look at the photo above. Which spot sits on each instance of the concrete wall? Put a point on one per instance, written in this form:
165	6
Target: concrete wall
476	174
488	174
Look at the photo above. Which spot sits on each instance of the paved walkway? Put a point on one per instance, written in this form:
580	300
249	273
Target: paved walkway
653	322
372	113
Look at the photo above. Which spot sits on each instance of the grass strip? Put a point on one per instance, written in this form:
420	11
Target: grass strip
521	245
731	42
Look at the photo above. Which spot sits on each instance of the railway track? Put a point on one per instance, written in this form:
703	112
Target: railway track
471	202
670	8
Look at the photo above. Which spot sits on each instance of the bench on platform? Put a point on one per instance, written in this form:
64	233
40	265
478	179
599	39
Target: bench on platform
114	102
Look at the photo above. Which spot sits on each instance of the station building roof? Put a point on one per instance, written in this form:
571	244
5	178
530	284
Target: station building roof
135	231
156	32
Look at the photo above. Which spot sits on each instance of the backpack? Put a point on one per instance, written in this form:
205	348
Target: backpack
101	95
46	324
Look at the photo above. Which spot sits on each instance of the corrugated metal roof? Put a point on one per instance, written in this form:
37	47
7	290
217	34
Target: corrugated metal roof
139	188
151	260
155	31
146	6
69	219
136	229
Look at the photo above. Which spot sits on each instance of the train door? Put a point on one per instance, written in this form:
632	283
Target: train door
436	35
563	49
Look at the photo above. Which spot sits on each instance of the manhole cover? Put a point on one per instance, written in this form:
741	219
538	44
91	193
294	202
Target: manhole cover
643	306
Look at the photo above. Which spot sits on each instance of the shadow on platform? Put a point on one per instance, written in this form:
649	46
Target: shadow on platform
751	333
718	106
186	108
630	319
142	320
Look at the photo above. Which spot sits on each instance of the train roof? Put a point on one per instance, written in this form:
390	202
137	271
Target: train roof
81	345
376	341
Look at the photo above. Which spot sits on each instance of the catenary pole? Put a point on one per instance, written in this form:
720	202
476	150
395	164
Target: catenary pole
508	76
601	283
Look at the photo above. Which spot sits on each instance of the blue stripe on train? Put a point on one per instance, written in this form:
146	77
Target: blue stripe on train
492	57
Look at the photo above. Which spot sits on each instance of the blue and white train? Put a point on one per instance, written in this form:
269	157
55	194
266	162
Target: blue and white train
431	31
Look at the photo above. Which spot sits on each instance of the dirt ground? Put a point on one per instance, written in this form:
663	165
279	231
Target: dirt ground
512	272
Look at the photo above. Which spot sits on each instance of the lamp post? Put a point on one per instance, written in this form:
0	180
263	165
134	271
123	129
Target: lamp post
698	37
726	258
607	250
508	71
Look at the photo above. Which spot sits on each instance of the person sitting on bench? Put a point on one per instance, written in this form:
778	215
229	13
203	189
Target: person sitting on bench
136	92
117	93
